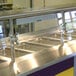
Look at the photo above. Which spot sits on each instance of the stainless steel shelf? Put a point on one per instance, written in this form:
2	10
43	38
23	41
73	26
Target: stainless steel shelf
23	13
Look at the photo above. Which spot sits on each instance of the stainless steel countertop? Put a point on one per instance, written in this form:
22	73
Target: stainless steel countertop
27	63
39	59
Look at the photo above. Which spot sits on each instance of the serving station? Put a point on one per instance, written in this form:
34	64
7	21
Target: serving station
49	52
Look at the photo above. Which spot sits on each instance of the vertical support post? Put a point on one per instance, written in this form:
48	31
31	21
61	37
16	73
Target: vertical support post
72	25
61	51
12	48
12	40
62	37
44	3
31	3
63	17
71	18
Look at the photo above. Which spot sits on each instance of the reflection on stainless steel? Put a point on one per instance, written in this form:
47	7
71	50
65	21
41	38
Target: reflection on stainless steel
2	47
35	60
31	61
4	66
57	36
54	35
32	46
72	45
47	41
18	52
2	61
72	35
16	69
68	50
43	57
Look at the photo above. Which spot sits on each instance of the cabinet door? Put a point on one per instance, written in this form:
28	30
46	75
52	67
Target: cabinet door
10	1
21	4
37	4
59	3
